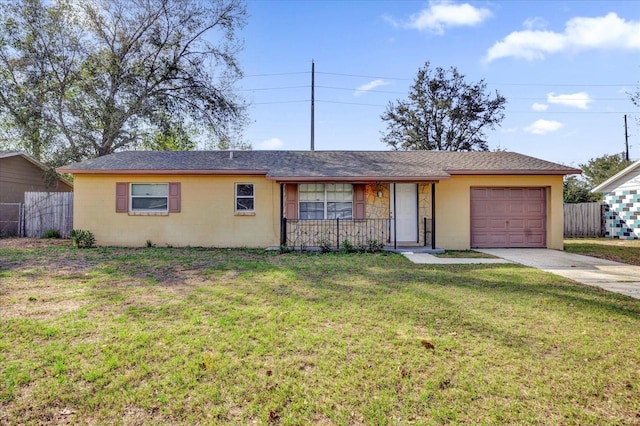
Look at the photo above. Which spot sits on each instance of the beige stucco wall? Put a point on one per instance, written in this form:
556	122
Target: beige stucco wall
206	219
453	207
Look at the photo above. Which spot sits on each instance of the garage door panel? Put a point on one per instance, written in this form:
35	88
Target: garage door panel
516	224
508	217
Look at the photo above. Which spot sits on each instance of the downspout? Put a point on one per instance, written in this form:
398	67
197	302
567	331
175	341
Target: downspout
433	216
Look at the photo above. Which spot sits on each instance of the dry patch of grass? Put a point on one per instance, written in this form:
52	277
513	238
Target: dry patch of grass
186	336
625	251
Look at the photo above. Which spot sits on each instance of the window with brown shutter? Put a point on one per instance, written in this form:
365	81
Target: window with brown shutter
122	197
174	197
291	195
359	202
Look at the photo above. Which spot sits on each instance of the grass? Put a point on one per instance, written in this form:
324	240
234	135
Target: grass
186	336
465	254
625	251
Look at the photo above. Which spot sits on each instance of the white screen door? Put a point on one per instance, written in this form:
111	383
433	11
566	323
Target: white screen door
405	212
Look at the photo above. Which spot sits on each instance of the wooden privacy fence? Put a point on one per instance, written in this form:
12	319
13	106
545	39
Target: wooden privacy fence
44	211
584	220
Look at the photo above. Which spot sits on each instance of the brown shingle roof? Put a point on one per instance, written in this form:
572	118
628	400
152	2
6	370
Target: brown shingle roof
327	165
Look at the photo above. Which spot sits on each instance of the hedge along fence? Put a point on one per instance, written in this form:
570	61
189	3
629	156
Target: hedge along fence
48	210
584	220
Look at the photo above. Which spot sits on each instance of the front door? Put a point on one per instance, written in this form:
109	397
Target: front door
404	208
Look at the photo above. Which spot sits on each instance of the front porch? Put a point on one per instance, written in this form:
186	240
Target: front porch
332	234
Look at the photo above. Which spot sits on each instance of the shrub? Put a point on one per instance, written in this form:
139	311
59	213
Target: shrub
83	239
52	233
347	247
325	246
374	246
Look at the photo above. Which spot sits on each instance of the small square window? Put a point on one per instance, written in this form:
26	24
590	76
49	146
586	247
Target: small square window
245	197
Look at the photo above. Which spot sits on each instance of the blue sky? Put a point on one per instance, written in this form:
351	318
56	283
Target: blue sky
565	68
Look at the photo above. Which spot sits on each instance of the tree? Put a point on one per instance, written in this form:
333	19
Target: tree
599	169
33	41
576	190
443	113
112	74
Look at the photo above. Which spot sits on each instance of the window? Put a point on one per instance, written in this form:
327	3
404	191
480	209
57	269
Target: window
149	197
245	197
325	201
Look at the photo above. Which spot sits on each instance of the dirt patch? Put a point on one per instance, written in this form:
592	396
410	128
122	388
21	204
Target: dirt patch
33	242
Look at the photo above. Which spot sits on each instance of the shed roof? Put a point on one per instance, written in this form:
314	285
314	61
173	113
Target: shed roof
286	166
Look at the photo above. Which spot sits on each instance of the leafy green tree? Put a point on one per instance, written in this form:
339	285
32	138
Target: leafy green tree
83	79
443	112
33	72
576	190
599	169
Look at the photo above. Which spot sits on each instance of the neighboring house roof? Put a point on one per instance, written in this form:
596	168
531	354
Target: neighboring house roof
619	178
6	154
298	166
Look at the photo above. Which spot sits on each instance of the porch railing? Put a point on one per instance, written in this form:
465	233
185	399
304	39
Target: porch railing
332	233
304	234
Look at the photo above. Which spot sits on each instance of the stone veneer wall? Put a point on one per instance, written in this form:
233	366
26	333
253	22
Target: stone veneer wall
424	210
622	214
378	207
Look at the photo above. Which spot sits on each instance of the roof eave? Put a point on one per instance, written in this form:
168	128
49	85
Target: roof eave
160	172
358	179
608	183
516	172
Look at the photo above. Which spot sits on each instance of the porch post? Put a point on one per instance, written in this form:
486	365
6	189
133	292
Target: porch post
433	216
395	213
283	224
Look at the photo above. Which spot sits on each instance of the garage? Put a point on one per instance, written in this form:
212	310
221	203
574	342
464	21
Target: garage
508	217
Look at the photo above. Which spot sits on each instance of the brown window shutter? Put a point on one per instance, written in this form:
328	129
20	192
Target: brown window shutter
359	202
291	196
122	197
174	197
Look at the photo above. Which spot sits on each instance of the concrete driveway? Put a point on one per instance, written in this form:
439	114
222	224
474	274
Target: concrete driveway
612	276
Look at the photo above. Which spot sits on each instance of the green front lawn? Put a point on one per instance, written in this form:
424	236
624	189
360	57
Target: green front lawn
193	336
625	251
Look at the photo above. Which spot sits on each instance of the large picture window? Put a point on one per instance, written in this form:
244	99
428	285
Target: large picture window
245	197
149	197
325	201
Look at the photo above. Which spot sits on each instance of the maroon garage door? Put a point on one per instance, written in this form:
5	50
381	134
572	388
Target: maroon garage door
508	217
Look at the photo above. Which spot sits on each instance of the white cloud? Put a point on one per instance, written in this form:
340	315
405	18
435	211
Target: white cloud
273	143
540	127
536	23
444	13
370	86
578	100
605	32
539	107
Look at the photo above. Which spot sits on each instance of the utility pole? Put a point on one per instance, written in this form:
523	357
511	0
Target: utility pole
313	76
626	138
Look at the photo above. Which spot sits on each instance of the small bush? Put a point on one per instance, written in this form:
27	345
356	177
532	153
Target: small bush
150	244
52	233
374	246
83	239
285	249
347	247
325	246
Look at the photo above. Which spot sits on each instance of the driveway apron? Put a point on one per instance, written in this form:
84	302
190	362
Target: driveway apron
611	276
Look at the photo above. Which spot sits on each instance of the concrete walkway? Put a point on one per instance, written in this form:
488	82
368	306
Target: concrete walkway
611	276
